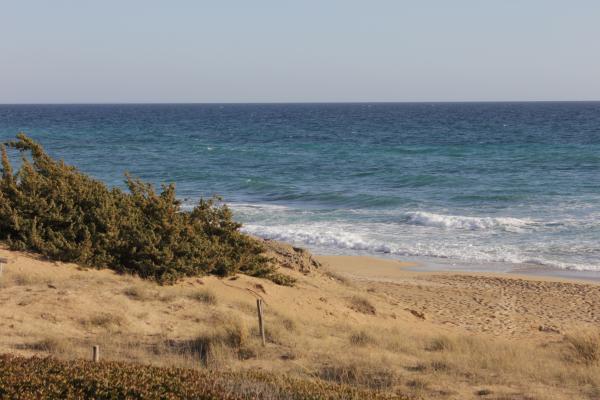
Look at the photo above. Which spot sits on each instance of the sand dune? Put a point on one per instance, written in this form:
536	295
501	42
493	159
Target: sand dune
356	320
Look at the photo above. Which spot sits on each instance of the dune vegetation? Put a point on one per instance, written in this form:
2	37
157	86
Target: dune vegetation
53	209
36	378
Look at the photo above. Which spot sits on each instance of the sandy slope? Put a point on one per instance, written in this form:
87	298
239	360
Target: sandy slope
358	320
500	304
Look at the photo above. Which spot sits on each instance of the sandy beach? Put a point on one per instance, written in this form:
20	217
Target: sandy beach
362	321
508	305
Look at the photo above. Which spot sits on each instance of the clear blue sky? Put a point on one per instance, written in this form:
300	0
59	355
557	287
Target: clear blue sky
286	51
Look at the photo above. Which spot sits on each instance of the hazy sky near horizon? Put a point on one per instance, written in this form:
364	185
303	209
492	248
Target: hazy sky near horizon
294	51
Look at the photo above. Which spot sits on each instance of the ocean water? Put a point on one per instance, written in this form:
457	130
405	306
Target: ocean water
496	186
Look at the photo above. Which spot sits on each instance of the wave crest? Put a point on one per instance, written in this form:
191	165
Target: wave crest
470	223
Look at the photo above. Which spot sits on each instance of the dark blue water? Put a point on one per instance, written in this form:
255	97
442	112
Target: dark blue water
483	183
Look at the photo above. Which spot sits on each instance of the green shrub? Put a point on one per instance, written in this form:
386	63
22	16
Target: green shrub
51	208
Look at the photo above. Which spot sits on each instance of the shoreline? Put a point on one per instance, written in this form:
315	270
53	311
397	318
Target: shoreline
528	271
374	269
508	305
519	271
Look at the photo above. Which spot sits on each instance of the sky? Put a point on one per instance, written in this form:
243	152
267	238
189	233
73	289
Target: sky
84	51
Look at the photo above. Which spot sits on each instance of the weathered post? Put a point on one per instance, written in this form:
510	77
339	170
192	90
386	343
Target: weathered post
261	324
96	353
2	262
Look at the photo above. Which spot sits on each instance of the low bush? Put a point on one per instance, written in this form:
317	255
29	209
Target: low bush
53	209
48	378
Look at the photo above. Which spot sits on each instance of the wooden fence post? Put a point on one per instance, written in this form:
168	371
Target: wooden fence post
96	353
2	261
261	324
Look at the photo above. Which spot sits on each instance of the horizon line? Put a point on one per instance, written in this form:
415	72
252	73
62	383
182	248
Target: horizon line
293	102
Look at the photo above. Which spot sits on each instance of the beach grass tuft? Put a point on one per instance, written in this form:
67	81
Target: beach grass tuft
584	346
204	296
362	305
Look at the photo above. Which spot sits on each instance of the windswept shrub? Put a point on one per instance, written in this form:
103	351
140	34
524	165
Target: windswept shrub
51	208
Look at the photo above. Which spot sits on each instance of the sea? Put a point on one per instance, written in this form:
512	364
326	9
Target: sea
507	187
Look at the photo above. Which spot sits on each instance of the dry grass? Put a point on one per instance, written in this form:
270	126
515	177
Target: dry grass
441	343
17	278
283	320
361	338
337	277
216	347
359	373
417	385
204	296
584	347
362	305
140	293
289	324
52	345
103	320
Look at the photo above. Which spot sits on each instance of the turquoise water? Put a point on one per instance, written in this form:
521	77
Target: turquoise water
493	185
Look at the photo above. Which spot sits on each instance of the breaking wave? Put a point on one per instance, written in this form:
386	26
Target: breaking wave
471	223
344	238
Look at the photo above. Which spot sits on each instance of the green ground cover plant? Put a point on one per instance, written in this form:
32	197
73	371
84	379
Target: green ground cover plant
49	378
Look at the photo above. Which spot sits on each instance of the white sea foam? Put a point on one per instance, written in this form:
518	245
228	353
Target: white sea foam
421	218
316	235
348	237
470	223
243	208
454	238
257	207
